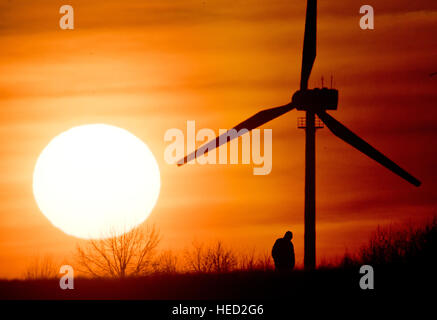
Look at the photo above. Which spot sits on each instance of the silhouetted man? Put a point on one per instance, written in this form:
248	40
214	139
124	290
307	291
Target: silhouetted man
283	253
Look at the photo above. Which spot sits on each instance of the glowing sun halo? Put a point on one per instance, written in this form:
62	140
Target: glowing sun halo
96	180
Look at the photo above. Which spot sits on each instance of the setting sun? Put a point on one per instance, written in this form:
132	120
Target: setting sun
96	180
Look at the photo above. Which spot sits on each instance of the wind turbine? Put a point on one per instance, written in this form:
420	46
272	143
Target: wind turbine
313	102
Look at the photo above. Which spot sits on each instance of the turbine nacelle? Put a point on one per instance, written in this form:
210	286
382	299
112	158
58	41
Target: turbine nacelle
315	100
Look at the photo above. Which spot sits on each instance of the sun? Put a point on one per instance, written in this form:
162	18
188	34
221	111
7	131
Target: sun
95	181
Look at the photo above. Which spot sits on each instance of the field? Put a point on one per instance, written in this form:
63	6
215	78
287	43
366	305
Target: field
403	262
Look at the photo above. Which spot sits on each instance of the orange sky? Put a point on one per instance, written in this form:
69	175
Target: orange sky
148	66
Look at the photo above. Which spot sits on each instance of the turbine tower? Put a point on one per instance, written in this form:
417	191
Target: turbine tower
314	102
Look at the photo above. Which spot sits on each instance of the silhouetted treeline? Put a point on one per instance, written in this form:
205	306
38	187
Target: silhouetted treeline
411	246
136	254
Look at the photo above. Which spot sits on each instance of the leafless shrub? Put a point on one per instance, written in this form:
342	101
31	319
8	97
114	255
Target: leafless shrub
166	262
247	261
119	256
395	245
265	262
195	258
41	268
213	258
220	258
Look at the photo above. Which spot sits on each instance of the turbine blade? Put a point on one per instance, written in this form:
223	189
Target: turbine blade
348	136
253	122
309	43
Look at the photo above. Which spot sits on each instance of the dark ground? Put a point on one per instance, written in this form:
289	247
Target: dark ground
326	293
236	285
404	264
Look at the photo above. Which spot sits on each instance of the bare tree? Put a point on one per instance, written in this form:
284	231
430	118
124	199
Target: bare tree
166	262
220	258
213	258
119	256
41	268
195	258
